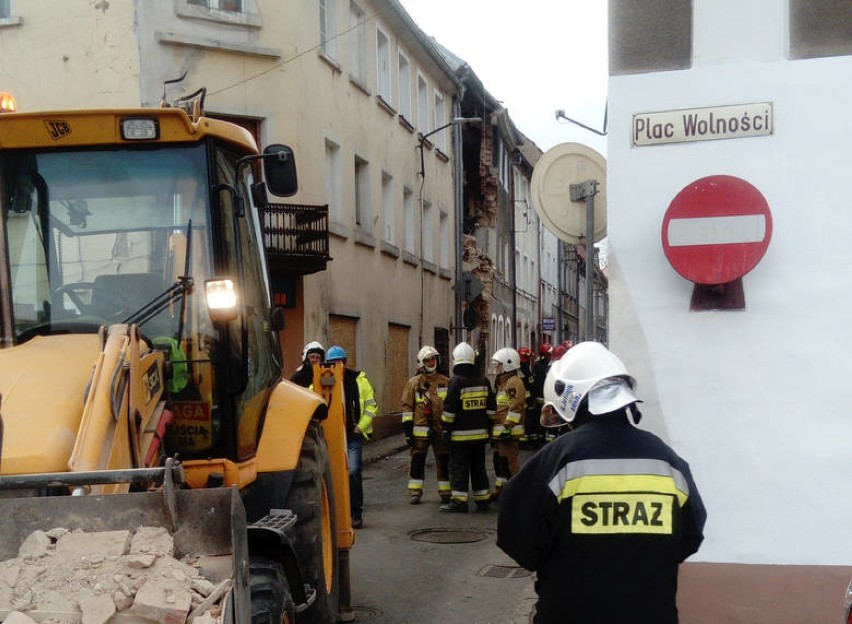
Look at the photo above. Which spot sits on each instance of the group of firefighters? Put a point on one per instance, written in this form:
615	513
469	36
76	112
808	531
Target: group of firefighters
608	506
458	417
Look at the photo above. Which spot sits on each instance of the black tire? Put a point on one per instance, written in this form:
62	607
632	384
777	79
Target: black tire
311	497
271	601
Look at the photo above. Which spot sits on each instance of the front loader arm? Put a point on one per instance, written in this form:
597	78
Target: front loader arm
122	407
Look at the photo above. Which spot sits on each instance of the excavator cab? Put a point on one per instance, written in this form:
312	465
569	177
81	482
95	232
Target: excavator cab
100	236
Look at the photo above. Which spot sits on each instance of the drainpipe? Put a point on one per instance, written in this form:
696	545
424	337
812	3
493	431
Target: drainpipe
513	277
459	210
560	280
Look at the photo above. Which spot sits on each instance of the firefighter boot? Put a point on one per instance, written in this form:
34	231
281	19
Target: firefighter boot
455	507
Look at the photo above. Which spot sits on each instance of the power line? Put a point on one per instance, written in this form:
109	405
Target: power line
299	55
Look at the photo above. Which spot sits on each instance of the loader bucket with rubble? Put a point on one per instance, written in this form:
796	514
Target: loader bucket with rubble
138	557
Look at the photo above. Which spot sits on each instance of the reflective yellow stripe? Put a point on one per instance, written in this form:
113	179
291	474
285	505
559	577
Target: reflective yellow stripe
407	416
467	435
421	431
481	495
619	475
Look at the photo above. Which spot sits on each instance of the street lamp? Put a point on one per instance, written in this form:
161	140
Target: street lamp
457	121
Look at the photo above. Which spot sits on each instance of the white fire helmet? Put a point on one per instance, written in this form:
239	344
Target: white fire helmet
588	368
313	347
424	354
463	354
508	357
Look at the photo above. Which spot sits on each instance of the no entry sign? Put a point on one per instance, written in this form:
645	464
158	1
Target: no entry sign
716	229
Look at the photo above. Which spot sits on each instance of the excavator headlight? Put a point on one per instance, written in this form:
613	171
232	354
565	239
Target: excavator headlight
222	301
140	129
8	103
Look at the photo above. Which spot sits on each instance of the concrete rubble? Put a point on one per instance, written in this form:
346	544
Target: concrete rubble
105	577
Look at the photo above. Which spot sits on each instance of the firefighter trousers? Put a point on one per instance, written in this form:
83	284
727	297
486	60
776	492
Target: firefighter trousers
417	467
506	460
467	472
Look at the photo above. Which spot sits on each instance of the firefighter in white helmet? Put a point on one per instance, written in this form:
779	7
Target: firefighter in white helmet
468	414
422	406
509	420
313	353
607	511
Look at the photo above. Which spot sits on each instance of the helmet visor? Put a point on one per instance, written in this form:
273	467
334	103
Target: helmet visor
611	394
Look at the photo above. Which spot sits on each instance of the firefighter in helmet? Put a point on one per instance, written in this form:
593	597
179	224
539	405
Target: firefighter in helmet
533	433
422	406
313	353
468	414
606	510
509	420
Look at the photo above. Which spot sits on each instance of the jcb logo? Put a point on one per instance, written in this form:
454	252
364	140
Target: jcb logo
57	129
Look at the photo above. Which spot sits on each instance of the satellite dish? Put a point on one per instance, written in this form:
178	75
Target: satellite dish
554	173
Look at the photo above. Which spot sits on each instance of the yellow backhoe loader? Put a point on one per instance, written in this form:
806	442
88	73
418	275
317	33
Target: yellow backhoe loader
140	368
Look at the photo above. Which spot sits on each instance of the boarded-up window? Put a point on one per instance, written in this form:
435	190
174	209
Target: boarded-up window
398	366
343	331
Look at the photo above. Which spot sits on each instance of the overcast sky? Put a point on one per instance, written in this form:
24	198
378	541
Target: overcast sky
535	56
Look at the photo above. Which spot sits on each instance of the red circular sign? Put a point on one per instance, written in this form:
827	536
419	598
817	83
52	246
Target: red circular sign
716	229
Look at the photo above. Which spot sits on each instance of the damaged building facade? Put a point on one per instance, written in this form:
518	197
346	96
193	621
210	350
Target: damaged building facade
518	284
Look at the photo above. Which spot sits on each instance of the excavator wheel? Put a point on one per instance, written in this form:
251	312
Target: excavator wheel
271	602
311	497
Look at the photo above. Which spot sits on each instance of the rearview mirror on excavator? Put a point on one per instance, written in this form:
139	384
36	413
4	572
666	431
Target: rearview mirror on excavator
279	168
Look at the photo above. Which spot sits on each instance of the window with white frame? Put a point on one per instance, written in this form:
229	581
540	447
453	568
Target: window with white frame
358	45
328	11
333	181
383	65
234	6
388	220
493	338
231	12
410	220
444	228
405	88
533	279
440	119
5	9
362	194
428	232
422	104
518	278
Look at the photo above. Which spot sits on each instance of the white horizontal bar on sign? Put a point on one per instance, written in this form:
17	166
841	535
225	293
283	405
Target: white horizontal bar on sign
717	230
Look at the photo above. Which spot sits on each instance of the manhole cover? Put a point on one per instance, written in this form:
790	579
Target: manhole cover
502	571
365	613
448	536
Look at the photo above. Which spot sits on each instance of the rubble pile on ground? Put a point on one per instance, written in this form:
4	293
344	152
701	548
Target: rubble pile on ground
75	576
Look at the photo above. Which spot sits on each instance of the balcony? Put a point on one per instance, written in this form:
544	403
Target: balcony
296	238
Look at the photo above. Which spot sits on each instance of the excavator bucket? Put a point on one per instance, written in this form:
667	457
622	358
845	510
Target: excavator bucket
208	526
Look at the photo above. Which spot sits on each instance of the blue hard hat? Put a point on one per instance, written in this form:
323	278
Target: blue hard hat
335	353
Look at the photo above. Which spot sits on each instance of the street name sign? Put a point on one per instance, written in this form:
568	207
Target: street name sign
703	124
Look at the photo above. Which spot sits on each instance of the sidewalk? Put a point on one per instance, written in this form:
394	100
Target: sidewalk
375	450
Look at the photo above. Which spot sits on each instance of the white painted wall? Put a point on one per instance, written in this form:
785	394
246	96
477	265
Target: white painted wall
756	400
